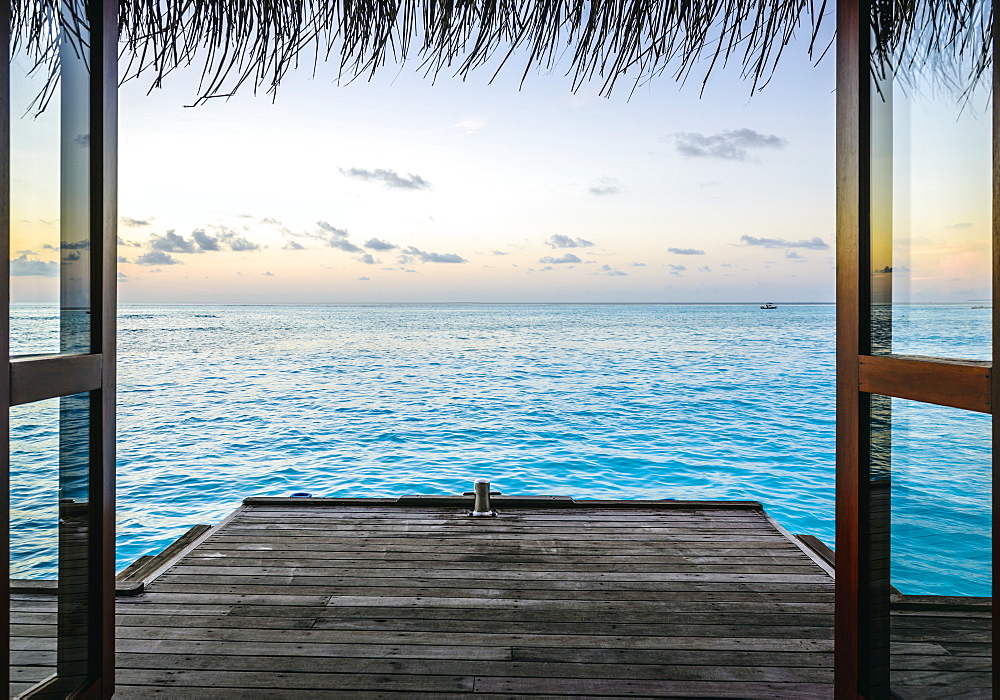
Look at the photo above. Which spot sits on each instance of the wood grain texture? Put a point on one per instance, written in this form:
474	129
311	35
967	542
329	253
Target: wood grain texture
965	385
340	597
501	616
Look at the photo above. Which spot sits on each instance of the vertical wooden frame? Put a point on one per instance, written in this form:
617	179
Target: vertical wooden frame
52	373
994	378
5	19
853	307
103	280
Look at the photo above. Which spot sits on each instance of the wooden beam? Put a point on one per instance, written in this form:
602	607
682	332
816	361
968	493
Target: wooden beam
49	376
961	384
853	337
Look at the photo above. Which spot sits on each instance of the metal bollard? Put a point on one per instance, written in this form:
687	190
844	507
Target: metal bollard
482	509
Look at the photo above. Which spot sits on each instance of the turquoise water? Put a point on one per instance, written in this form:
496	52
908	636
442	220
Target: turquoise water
591	401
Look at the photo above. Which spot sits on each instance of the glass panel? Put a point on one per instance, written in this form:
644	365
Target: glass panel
931	196
49	525
50	287
50	214
931	514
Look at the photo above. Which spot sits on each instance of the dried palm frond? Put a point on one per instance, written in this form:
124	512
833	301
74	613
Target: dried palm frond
256	42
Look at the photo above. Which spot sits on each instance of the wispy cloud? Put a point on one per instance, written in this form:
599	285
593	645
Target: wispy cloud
129	221
567	258
428	257
605	186
471	125
726	145
388	178
814	243
611	272
367	259
561	241
685	251
293	245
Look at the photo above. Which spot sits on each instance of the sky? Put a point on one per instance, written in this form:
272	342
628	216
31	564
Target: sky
403	189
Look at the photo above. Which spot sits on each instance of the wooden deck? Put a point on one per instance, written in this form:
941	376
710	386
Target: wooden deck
382	598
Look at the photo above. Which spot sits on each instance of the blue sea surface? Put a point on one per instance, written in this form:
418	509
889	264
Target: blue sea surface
217	403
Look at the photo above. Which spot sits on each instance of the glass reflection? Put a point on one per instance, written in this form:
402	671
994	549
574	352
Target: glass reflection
931	194
931	580
49	532
50	192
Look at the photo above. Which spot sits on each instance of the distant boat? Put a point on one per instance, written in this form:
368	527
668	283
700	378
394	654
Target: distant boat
980	307
768	306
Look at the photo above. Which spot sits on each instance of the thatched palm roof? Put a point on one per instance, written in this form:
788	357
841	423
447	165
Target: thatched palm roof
256	42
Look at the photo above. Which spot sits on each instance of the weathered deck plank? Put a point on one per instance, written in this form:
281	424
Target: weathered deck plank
418	598
325	599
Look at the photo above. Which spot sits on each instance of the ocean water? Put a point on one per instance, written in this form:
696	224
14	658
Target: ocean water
217	403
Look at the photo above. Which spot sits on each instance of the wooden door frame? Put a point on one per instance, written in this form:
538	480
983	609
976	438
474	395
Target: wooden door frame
967	385
36	378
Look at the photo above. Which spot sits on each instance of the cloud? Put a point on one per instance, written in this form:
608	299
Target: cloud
471	125
129	221
170	242
122	277
22	266
685	251
792	255
367	259
638	264
240	244
66	245
704	268
606	186
122	259
961	224
157	257
293	245
331	230
611	272
567	258
267	273
499	252
344	245
201	242
726	145
677	268
814	243
133	244
204	240
268	221
561	241
379	244
389	178
428	257
364	279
